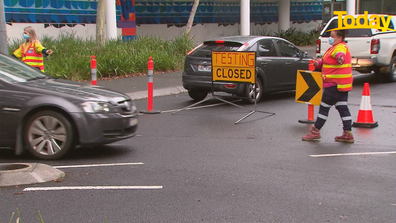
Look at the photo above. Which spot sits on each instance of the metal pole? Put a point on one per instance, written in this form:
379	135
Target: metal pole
3	30
351	7
245	17
111	24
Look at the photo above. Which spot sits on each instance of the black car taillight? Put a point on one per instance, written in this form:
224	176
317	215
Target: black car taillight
375	46
318	46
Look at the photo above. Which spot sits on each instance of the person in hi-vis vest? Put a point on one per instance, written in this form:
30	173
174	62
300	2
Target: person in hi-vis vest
31	51
337	82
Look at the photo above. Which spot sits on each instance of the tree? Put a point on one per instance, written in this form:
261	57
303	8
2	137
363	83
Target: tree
100	22
192	15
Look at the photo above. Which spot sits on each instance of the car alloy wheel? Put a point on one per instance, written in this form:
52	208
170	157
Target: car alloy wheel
49	135
250	92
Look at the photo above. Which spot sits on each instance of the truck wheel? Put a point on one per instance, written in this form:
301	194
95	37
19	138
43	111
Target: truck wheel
391	77
197	95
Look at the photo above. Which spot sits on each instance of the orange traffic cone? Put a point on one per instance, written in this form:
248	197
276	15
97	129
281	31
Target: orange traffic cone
365	116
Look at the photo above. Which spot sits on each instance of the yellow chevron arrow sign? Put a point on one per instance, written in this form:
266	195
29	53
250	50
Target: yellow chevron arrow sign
309	86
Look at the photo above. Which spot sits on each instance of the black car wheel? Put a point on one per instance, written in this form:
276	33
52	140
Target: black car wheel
49	135
197	95
249	93
391	76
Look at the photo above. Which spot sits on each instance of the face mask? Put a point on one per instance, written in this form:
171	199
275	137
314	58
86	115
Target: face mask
331	40
26	36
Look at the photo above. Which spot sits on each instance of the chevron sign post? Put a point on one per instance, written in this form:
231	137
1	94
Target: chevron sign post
309	86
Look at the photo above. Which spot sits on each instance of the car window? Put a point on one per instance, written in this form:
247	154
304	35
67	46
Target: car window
287	49
267	48
252	48
13	70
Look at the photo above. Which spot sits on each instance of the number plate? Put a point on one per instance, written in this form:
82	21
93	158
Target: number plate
204	68
133	122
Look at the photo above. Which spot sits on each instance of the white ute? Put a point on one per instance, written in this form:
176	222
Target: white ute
372	50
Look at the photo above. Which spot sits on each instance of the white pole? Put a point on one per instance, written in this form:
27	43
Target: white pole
283	15
111	26
351	7
3	30
245	17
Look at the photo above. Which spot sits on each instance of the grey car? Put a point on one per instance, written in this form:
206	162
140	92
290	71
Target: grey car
277	62
49	116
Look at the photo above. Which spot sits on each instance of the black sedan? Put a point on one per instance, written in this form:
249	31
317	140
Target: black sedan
49	116
277	62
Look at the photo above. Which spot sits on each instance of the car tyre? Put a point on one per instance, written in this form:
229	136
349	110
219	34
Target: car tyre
197	95
49	135
249	92
391	76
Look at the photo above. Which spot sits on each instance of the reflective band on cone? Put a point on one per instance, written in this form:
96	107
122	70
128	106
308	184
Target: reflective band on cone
365	117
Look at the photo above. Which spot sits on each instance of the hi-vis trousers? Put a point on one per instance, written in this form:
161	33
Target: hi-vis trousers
331	96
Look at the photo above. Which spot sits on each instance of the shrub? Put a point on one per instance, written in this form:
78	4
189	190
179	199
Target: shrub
72	55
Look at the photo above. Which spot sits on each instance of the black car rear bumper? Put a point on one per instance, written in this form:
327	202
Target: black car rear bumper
205	83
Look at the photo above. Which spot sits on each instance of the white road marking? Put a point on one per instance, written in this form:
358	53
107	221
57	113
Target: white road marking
93	188
96	165
353	154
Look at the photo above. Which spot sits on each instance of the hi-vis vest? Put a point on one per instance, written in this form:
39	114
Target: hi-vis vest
32	58
341	74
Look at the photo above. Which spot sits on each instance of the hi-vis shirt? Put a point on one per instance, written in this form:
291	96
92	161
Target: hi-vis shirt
341	74
31	54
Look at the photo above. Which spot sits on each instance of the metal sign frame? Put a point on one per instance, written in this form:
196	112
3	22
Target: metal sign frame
229	102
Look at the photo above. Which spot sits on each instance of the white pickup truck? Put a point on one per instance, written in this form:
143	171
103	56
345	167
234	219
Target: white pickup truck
372	50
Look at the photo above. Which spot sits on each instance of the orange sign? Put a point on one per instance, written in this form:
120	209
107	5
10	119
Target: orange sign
233	66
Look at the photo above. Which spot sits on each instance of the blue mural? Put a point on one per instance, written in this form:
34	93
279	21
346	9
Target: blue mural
171	12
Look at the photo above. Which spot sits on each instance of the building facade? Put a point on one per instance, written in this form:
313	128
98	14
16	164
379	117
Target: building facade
167	18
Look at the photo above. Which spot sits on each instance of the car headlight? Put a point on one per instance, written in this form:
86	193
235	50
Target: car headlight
96	107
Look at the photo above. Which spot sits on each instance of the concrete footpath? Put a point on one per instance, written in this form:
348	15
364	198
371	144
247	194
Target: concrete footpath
136	87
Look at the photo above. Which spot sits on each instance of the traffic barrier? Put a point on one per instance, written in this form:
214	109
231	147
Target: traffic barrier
311	119
93	70
365	117
150	110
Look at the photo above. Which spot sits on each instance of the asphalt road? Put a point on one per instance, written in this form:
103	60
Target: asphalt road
198	166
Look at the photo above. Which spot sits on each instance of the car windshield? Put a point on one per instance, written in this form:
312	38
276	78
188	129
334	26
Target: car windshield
13	70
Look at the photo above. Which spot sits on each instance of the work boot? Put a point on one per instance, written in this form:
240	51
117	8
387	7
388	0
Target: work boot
313	134
346	137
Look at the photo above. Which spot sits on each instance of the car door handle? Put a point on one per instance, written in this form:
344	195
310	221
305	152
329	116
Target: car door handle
288	63
264	63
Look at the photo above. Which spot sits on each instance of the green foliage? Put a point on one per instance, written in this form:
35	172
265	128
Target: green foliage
71	58
297	37
72	55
